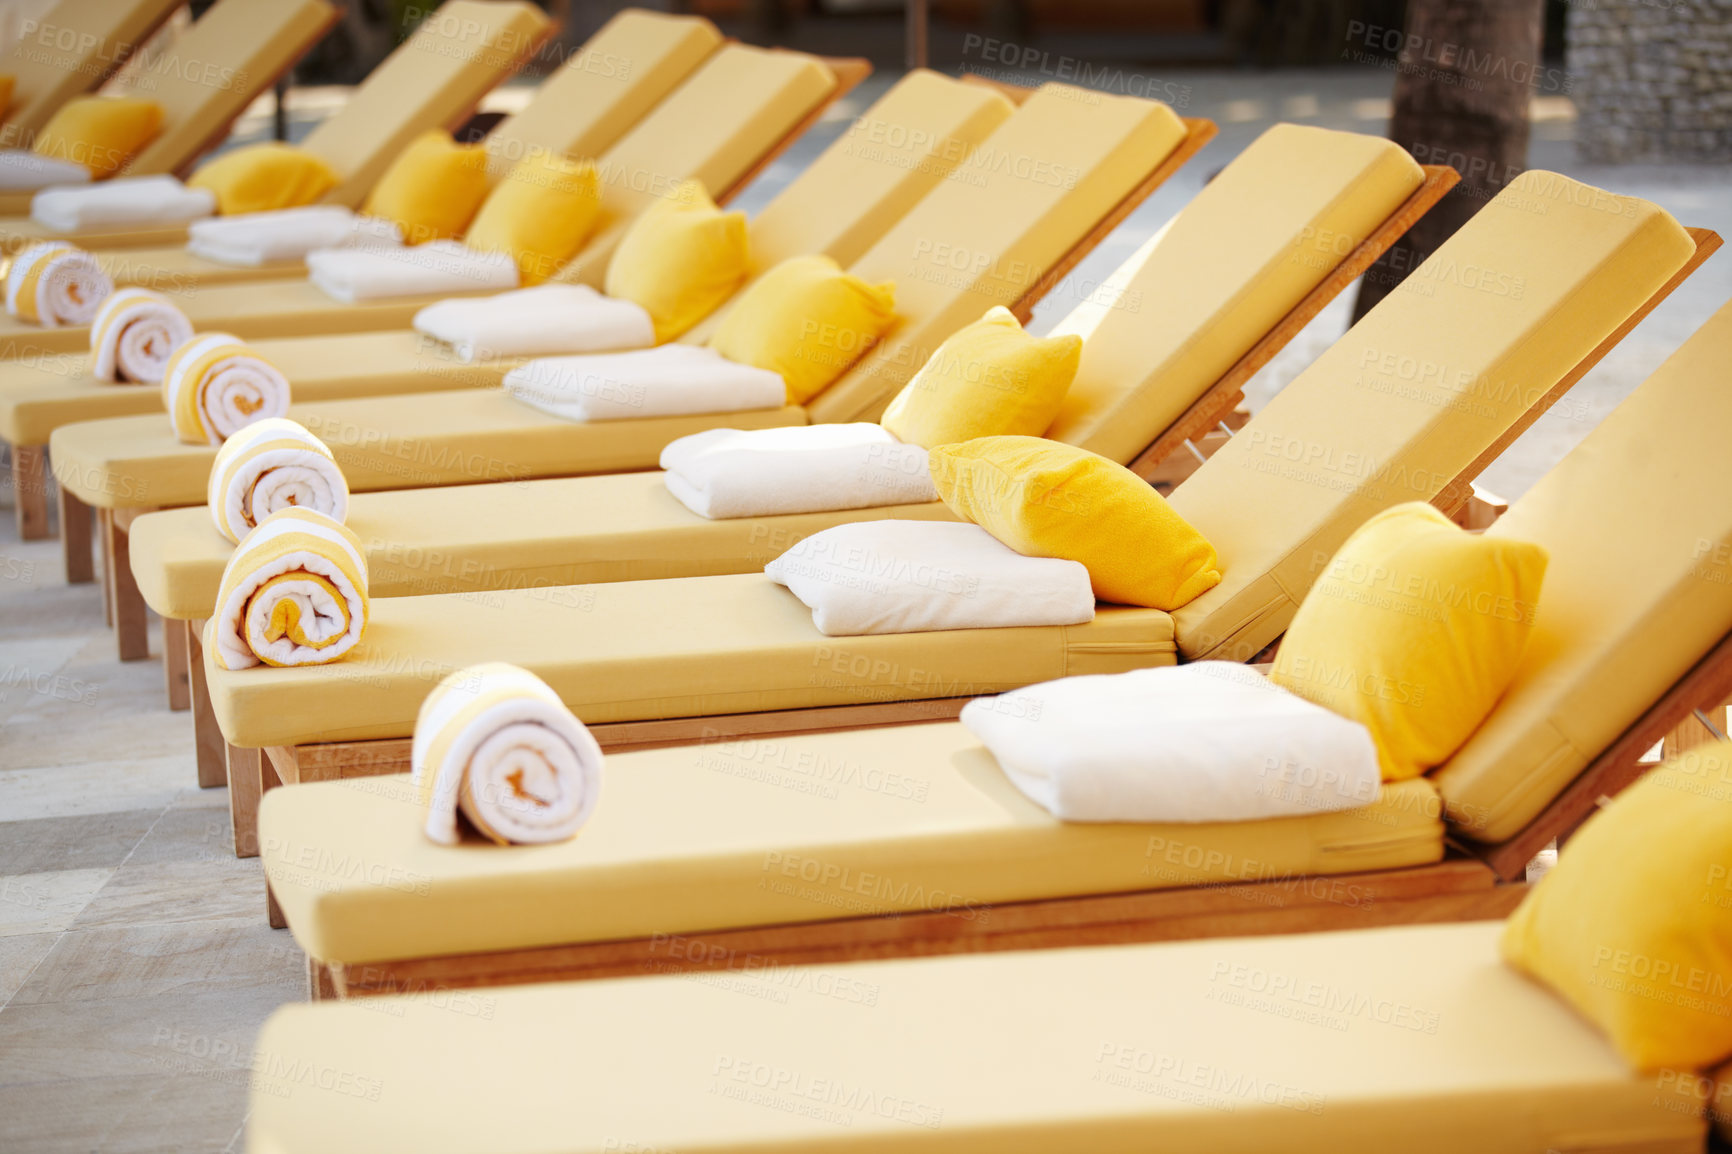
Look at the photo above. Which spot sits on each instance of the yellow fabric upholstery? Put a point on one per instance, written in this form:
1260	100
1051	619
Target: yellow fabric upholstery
263	177
1416	391
649	649
1640	587
539	215
100	133
1178	1047
70	50
1007	220
433	189
679	259
680	843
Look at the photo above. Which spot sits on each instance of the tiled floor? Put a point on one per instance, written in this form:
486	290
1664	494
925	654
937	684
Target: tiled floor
135	963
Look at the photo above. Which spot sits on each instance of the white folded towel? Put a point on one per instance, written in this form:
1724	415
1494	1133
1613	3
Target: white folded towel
51	283
494	741
1213	741
377	271
803	469
255	238
270	465
919	576
214	386
539	321
134	334
24	171
293	593
125	202
660	382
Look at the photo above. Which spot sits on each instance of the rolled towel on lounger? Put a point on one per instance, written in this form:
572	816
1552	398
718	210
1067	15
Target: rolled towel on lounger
53	284
269	466
134	334
494	741
256	238
723	473
22	170
294	593
921	576
1211	741
660	382
535	322
375	272
214	386
129	202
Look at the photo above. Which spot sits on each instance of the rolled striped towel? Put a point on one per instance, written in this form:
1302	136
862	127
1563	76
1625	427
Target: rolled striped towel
214	386
134	334
268	466
494	741
294	593
52	283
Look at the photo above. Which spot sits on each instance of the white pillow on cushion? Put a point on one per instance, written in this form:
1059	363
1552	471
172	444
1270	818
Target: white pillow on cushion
1212	741
917	576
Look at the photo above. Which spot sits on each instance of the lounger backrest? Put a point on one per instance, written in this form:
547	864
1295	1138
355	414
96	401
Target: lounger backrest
207	77
607	85
1030	193
1222	273
1416	392
728	115
1637	521
69	51
434	79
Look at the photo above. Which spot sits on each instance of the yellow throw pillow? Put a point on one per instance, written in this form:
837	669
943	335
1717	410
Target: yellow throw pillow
1414	628
1047	499
680	260
541	214
807	320
103	133
989	379
433	189
263	178
1633	926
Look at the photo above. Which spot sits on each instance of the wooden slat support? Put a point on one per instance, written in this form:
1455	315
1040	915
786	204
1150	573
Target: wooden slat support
75	518
30	491
207	735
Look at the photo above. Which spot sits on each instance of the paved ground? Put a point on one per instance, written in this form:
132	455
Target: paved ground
135	965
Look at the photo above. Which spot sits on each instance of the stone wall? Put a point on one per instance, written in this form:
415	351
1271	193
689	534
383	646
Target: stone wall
1651	79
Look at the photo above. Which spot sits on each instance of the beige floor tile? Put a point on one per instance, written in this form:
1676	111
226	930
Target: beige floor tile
41	903
94	787
171	957
19	956
218	888
65	843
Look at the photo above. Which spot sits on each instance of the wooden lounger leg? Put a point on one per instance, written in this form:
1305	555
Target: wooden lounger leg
274	912
75	538
30	491
103	517
212	753
176	674
321	986
246	785
131	618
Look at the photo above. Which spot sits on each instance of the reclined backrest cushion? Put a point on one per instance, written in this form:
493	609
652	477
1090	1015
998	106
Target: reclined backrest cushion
48	66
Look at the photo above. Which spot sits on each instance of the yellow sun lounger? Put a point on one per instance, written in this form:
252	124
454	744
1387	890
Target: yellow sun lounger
1410	405
1414	1038
70	50
688	835
434	79
741	108
605	86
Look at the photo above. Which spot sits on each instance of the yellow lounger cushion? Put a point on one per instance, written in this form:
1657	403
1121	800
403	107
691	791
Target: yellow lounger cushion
685	835
50	67
540	214
1634	924
433	189
680	259
264	177
807	321
1045	499
1181	1047
102	133
1414	629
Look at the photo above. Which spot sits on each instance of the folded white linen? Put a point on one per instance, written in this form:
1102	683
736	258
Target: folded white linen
134	334
724	473
535	322
270	465
1211	741
24	171
919	576
375	271
496	742
255	238
51	283
125	202
660	382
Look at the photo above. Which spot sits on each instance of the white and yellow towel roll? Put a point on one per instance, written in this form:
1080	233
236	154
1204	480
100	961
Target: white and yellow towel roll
268	466
134	334
494	741
214	386
52	284
294	593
